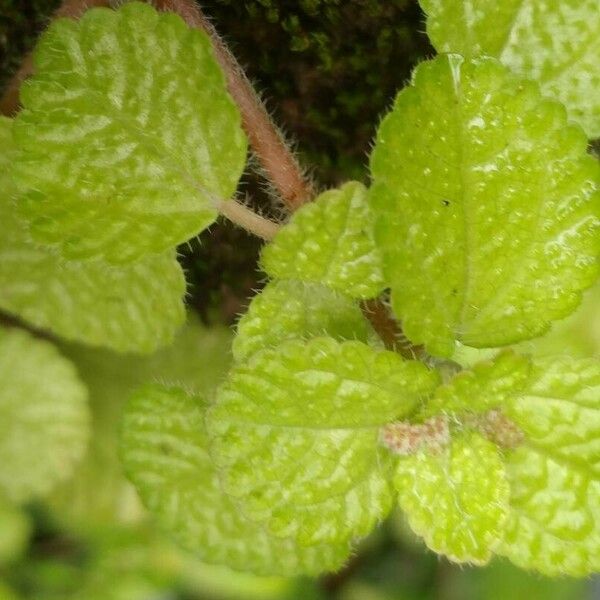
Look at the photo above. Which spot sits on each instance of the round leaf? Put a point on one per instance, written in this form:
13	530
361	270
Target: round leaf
330	241
456	500
288	309
295	431
127	135
129	308
97	495
44	420
488	385
554	525
554	42
486	206
164	449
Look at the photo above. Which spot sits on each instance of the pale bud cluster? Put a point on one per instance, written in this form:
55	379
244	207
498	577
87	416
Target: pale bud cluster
499	429
406	438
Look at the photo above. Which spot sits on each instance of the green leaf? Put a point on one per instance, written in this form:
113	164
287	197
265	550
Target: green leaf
44	420
577	336
486	205
548	411
98	495
129	308
289	309
456	500
560	410
554	42
294	434
164	450
554	526
329	241
128	136
487	385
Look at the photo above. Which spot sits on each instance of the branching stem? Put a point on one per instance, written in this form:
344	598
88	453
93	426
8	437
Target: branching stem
247	219
276	158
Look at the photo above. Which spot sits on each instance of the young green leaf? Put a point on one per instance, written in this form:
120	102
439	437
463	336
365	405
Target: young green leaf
554	525
164	450
486	386
288	309
457	500
44	420
294	434
330	241
546	414
129	308
486	206
554	42
127	135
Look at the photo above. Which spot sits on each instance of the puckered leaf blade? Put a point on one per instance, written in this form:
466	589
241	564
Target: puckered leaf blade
127	135
554	526
559	411
554	523
553	42
486	386
550	430
288	309
457	500
164	449
294	434
486	205
129	308
330	241
44	417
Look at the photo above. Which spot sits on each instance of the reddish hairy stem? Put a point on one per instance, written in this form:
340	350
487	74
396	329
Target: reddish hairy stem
276	158
389	329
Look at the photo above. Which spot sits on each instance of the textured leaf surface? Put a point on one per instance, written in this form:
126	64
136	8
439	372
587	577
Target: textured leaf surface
294	434
44	420
487	207
577	336
128	134
456	500
288	309
330	241
555	477
555	42
98	495
164	449
488	385
134	307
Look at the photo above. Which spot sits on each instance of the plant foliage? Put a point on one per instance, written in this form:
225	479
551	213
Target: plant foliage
479	229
